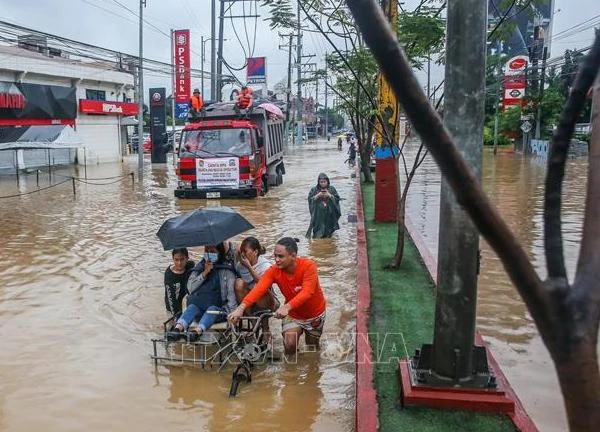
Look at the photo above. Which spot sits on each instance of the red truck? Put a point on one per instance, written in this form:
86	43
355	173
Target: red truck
225	155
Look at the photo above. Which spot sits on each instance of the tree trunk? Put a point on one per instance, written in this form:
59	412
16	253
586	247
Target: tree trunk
579	379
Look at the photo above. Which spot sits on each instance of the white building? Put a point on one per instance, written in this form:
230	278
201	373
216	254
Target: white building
94	98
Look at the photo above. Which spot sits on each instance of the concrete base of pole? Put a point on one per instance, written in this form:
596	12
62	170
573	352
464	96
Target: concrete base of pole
423	366
484	400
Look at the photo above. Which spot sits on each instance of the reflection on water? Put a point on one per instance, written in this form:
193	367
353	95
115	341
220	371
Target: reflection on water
515	185
81	295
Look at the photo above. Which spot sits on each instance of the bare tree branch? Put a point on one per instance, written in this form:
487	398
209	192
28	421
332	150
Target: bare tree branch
384	46
559	148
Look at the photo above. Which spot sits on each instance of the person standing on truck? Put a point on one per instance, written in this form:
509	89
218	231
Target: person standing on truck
196	106
244	101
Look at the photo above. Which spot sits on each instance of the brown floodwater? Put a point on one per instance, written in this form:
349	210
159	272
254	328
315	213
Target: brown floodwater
515	185
81	296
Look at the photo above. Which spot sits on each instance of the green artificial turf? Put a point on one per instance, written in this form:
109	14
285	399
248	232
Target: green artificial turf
402	307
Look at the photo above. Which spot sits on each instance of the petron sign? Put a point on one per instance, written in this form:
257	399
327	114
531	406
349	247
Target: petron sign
515	81
34	104
88	106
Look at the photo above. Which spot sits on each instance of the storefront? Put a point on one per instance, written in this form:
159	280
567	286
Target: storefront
25	108
100	123
93	98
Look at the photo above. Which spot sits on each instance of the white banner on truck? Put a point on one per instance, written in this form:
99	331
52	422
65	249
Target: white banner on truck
218	172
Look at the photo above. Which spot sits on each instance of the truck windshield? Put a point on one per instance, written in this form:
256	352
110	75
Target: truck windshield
215	142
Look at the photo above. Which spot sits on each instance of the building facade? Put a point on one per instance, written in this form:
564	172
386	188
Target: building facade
40	86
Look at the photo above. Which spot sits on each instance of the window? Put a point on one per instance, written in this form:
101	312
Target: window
95	94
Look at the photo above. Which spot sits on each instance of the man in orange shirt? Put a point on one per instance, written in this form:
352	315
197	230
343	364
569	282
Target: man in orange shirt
244	101
196	105
298	281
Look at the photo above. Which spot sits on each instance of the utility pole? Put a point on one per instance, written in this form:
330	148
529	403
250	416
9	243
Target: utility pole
219	78
213	51
497	103
202	65
428	75
299	105
538	120
387	181
326	110
289	76
140	95
452	360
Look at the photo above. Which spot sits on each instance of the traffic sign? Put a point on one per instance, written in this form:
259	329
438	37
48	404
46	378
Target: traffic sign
526	126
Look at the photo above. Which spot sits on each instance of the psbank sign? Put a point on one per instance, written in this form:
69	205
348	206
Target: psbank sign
88	106
181	51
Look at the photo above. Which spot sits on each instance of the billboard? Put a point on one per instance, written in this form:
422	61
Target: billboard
256	70
23	103
182	87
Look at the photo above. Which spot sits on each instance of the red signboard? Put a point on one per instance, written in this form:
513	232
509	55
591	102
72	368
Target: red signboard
181	52
87	106
12	100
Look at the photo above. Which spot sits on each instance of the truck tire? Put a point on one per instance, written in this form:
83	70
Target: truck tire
279	179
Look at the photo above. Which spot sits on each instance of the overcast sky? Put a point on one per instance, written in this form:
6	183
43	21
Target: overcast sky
107	24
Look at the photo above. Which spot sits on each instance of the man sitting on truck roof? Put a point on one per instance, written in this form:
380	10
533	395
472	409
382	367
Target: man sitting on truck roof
196	106
244	101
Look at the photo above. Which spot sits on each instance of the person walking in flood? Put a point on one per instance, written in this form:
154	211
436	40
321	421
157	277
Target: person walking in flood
324	206
298	281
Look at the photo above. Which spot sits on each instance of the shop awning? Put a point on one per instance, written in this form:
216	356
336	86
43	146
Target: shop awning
129	121
39	137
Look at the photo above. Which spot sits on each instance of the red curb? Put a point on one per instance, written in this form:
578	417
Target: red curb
520	418
367	410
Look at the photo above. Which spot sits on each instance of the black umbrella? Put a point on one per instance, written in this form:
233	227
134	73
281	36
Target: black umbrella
205	226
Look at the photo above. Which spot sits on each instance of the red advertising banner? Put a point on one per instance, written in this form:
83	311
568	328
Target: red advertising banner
181	52
515	81
88	106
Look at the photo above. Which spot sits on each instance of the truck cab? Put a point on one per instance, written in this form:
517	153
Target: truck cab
225	156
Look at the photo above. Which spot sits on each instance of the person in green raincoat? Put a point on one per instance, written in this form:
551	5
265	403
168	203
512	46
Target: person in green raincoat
324	205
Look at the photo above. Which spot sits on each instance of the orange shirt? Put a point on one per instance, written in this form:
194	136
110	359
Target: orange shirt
245	98
301	290
197	103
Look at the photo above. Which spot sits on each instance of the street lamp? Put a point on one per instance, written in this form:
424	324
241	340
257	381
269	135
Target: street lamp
202	55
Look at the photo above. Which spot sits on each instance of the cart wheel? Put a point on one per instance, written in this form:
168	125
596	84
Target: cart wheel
234	386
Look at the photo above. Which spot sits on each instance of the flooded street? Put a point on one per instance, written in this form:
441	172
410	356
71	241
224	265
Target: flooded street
516	186
81	295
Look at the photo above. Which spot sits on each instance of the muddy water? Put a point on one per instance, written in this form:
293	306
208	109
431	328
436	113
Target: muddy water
516	186
81	295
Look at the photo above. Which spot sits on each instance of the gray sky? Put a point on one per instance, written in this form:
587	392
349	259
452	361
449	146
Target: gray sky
105	23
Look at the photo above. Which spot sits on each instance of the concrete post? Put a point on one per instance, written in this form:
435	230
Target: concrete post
456	300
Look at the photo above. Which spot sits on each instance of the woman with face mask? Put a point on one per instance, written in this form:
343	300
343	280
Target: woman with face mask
211	294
